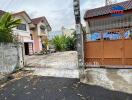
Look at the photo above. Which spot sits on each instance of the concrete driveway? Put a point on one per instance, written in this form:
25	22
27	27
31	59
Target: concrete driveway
59	60
61	64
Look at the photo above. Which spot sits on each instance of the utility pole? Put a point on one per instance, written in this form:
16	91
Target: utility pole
79	33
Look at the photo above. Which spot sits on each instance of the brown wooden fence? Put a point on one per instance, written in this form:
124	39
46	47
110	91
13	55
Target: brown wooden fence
114	53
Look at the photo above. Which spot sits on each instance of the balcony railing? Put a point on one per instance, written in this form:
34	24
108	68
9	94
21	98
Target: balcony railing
42	33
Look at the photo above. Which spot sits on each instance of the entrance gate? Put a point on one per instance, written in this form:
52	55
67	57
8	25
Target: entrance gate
109	52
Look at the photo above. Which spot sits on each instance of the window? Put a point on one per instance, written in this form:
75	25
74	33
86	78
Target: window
31	36
42	27
22	27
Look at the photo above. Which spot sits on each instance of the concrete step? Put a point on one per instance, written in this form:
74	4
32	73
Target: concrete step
54	72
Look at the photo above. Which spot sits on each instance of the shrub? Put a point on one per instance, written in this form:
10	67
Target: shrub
63	43
70	43
7	23
60	43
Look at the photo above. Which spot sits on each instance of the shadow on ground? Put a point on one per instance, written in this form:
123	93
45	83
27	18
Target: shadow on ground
47	88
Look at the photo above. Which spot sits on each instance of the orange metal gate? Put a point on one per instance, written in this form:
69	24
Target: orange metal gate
109	52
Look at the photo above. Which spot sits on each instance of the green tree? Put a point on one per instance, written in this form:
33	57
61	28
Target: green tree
60	42
7	23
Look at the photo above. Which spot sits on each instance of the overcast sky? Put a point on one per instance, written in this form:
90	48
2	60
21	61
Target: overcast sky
58	12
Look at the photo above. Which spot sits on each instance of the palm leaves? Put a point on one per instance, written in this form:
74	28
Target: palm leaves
63	43
60	42
7	23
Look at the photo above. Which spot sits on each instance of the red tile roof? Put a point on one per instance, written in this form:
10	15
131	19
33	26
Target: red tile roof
107	9
37	20
18	13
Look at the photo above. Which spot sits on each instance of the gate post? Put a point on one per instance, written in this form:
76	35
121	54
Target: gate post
102	48
20	55
80	43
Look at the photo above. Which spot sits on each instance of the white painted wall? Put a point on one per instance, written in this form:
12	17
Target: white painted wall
11	56
24	36
68	32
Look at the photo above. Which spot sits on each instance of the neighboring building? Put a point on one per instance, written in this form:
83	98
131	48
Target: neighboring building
67	32
54	33
31	32
23	31
112	48
109	17
1	12
40	33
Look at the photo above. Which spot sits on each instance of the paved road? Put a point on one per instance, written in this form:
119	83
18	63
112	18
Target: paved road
46	88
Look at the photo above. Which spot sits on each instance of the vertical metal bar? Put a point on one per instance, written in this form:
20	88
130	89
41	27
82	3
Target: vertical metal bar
102	48
123	48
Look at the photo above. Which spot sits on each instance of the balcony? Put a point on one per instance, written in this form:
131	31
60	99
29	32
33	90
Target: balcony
21	33
42	31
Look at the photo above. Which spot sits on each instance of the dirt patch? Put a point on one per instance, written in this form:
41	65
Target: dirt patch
15	76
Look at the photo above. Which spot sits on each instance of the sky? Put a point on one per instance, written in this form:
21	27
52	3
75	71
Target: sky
58	12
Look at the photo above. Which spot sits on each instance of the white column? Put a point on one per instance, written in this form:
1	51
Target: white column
88	31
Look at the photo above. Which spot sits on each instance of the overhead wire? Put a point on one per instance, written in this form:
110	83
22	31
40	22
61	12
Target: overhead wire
6	5
3	3
10	4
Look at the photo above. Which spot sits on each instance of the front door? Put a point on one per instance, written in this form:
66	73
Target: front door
26	46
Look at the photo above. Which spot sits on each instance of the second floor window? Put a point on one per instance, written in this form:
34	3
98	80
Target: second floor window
31	36
22	27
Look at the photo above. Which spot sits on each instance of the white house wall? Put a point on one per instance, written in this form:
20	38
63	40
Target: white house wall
23	34
39	30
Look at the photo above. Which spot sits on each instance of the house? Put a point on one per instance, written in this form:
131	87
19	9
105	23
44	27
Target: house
40	33
31	32
23	31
